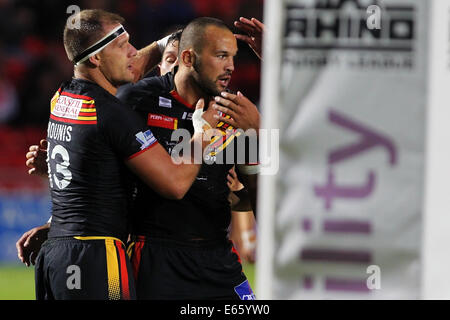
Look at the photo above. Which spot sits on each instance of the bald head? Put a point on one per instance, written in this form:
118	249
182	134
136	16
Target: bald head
206	56
193	35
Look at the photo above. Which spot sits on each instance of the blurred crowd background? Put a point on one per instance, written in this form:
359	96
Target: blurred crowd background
33	64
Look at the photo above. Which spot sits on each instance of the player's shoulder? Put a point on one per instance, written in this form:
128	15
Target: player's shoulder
82	99
104	101
105	105
78	89
88	92
146	87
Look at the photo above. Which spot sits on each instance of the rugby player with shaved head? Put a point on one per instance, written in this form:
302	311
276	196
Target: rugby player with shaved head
181	248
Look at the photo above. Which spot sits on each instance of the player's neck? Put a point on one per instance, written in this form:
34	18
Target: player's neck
94	75
188	90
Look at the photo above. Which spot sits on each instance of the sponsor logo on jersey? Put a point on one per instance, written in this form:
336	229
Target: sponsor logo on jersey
73	108
164	102
146	139
162	121
244	291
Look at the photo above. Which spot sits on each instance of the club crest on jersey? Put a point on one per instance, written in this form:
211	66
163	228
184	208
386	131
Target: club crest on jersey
146	139
164	102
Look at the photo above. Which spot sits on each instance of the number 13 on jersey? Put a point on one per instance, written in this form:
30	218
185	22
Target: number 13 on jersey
58	167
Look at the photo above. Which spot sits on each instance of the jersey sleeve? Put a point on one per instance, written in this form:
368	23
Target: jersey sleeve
133	94
125	131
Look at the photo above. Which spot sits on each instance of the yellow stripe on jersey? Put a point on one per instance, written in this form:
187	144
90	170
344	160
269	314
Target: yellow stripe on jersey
112	265
97	238
86	118
225	144
225	132
221	123
130	249
230	138
53	101
89	113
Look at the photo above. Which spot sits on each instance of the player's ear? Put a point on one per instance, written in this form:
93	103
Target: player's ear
188	57
95	60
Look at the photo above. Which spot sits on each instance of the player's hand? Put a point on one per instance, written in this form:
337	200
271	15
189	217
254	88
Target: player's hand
208	115
30	242
204	122
255	30
243	112
233	182
37	159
